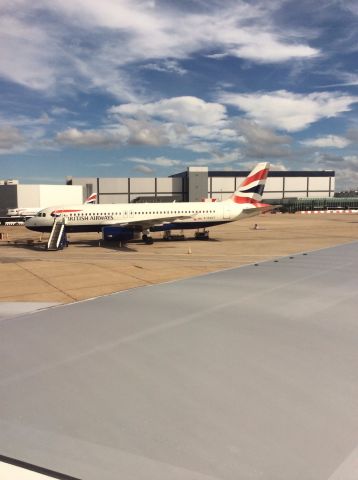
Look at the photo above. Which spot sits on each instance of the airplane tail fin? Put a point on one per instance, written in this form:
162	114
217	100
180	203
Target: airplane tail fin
251	189
91	199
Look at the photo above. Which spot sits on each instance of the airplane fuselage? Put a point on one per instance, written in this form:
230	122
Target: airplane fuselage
158	216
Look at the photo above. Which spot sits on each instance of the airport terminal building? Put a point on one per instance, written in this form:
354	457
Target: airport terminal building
198	183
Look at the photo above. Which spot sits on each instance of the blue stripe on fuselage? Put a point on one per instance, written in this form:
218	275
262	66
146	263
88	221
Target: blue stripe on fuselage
156	228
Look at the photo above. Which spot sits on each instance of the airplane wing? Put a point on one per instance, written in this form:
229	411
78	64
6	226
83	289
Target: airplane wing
145	224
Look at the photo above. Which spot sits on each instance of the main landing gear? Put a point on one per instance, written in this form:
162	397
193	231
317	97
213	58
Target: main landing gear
202	235
168	235
147	239
199	235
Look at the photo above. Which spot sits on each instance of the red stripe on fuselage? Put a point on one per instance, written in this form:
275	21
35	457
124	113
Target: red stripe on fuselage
65	211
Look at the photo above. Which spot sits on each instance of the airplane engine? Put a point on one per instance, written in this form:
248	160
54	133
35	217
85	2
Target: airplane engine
119	234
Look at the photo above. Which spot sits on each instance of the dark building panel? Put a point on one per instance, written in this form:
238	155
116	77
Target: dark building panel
244	173
300	173
8	198
198	183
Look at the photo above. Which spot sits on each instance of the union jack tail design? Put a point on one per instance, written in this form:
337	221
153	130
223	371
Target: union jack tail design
251	189
92	198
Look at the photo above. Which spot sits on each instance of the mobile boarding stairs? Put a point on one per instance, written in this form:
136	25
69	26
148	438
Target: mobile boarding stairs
57	238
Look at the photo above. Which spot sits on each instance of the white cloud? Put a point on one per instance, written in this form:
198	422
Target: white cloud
166	66
187	122
24	59
289	111
352	134
155	32
351	5
101	164
61	111
20	134
217	55
129	132
143	169
157	161
346	168
348	79
329	141
26	122
189	110
88	44
225	157
11	140
278	167
144	132
221	159
265	48
88	138
219	133
146	124
256	134
261	142
352	159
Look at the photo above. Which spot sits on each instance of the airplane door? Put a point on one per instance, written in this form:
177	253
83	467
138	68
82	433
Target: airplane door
128	214
227	212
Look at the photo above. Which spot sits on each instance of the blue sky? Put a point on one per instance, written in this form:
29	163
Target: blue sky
148	87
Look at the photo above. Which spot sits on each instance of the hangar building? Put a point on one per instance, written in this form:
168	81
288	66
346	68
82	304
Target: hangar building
194	184
198	183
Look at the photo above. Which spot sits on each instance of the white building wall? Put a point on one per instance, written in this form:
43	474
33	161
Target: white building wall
274	184
28	196
318	183
272	195
42	196
296	184
333	186
60	195
142	185
220	196
113	185
276	187
168	185
115	198
225	184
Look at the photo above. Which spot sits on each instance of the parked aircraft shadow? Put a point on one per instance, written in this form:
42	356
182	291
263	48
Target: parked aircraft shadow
27	246
100	243
127	247
186	239
123	248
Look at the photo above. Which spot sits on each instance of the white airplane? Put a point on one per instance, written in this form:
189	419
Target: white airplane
32	211
23	212
129	221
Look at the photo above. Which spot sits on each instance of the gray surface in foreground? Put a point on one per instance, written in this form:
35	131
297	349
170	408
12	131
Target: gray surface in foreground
11	309
249	373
